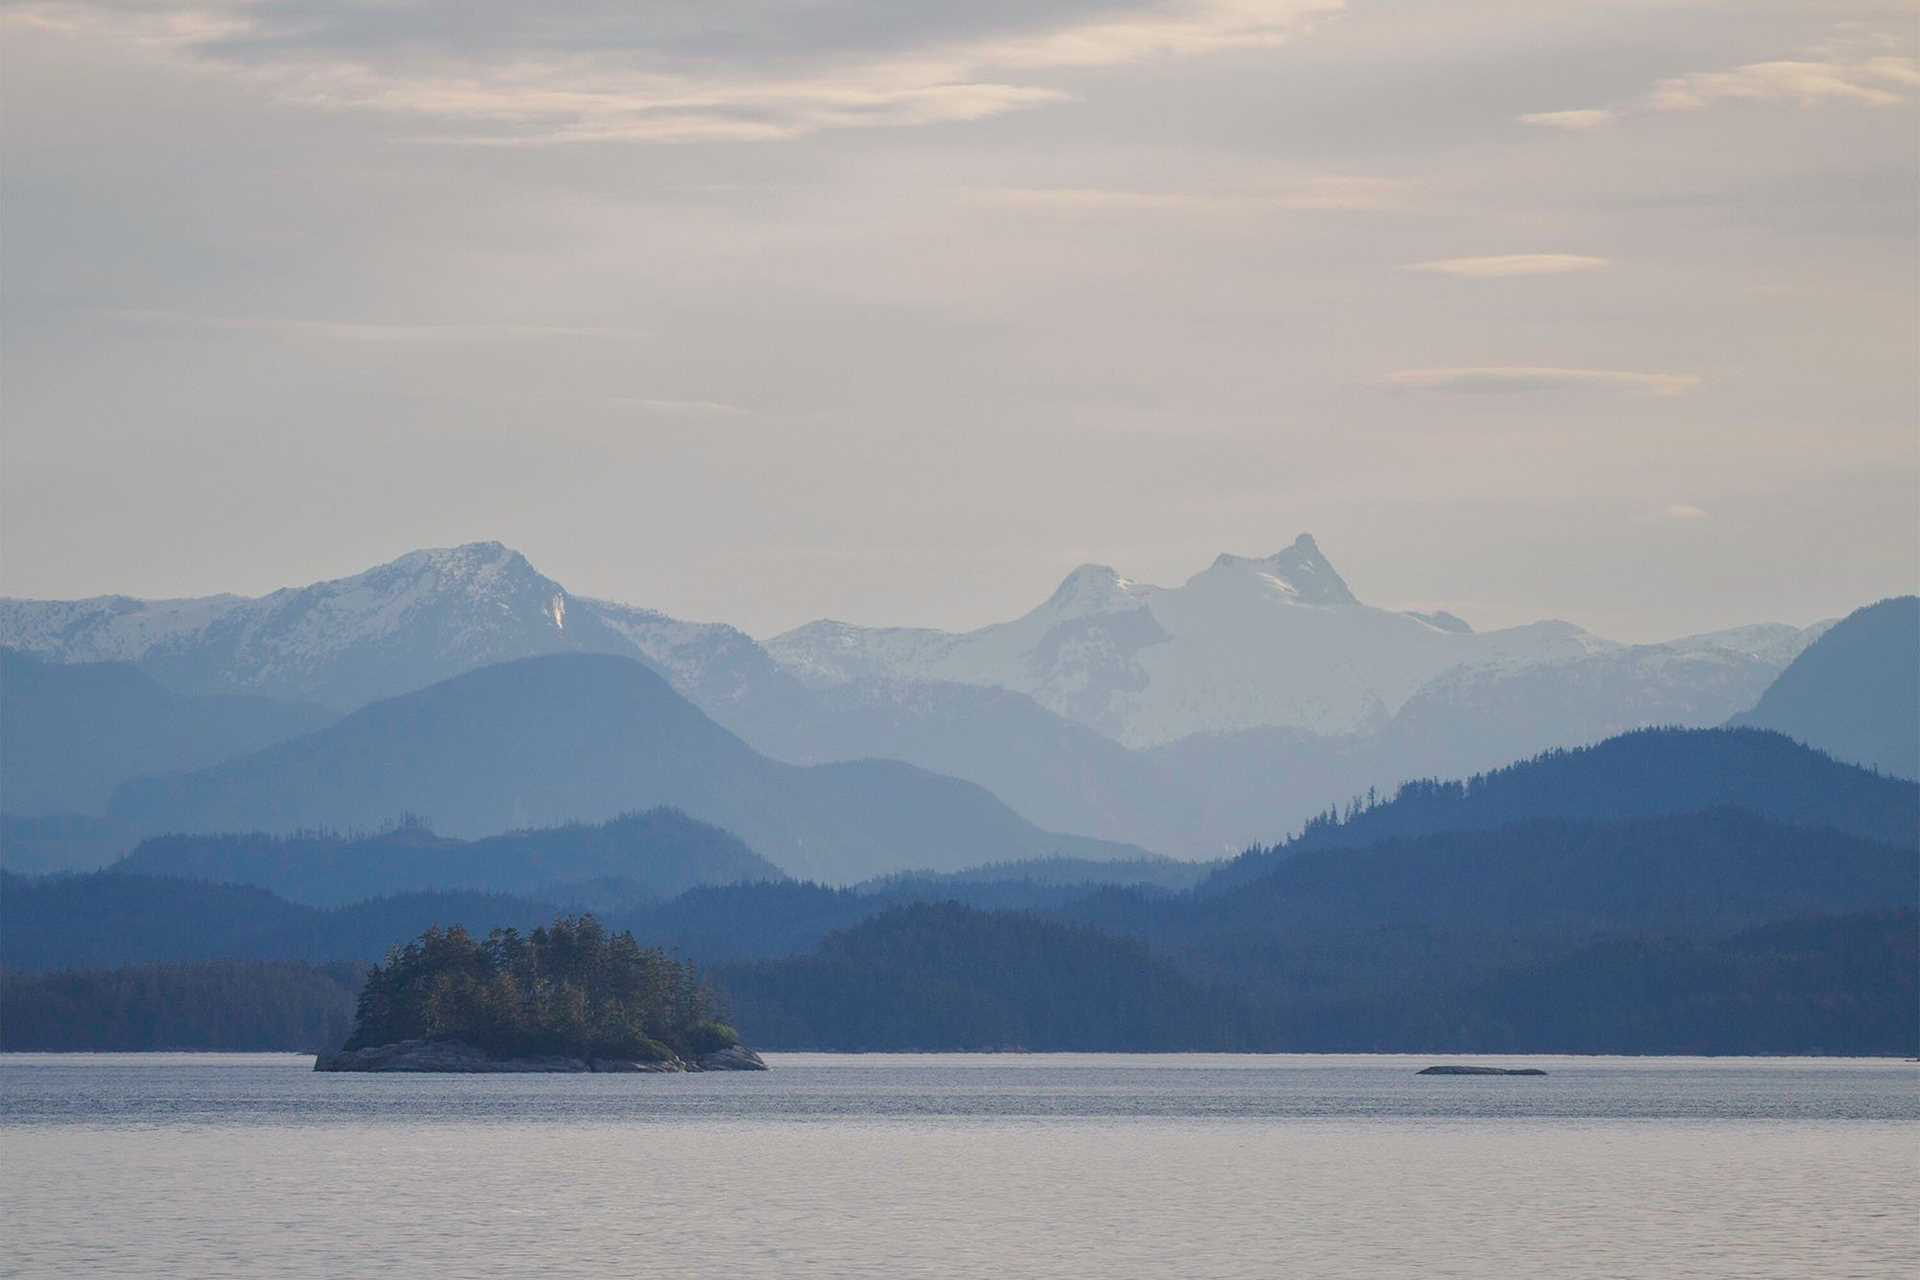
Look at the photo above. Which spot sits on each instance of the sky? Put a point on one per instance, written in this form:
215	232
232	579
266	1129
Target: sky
895	311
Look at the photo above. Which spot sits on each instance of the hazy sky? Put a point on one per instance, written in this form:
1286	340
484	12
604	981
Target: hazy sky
896	310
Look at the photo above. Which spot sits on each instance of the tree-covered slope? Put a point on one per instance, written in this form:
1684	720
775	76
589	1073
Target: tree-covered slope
108	919
661	852
944	976
1647	773
224	1006
1855	692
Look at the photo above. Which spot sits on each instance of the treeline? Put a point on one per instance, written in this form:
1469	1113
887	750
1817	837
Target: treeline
951	978
658	853
1646	773
229	1005
1715	931
107	919
568	988
944	976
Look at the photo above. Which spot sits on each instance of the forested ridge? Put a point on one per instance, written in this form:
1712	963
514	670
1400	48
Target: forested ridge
1647	773
223	1005
660	853
1497	913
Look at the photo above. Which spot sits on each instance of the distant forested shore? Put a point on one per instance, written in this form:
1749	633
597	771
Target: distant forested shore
1663	892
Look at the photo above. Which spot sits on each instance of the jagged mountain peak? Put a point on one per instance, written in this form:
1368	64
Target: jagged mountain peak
1300	572
1094	588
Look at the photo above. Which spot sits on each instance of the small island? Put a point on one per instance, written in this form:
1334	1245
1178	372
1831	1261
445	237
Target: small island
1481	1071
567	997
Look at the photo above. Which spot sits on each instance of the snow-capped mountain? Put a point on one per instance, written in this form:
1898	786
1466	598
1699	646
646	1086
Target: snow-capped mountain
342	643
392	629
1246	643
1266	688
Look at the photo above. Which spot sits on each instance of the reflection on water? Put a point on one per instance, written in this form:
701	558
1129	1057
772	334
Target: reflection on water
954	1165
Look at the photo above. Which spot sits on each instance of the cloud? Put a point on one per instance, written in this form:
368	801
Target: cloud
1330	192
739	70
1514	379
1511	264
1855	69
1588	118
1870	82
374	331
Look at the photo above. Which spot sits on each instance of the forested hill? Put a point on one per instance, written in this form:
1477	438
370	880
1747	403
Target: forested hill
660	853
228	1006
1688	874
949	978
943	976
1641	774
108	919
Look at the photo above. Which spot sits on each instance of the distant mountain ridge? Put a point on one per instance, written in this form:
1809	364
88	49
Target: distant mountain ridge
1855	692
1332	696
580	738
70	733
1645	774
1276	642
660	853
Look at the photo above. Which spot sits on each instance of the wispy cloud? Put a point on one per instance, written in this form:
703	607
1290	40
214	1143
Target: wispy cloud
1865	71
544	75
1514	379
1331	192
1511	264
1583	118
373	331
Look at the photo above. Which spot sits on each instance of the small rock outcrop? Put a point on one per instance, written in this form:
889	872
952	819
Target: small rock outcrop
459	1058
735	1057
1481	1071
447	1056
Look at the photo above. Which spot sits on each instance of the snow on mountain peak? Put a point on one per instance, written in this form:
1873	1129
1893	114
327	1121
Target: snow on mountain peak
1300	573
1095	588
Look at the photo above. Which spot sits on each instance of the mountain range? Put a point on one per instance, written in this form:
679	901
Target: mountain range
1192	720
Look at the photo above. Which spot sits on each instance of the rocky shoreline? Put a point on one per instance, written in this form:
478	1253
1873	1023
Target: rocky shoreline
455	1057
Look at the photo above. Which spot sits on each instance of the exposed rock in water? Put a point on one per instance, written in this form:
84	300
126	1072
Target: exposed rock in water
457	1057
1481	1071
732	1058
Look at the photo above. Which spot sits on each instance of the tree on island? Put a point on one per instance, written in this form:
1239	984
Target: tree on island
567	989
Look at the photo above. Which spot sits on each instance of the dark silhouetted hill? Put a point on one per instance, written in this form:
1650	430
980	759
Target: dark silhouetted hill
660	853
225	1006
108	919
948	977
1641	774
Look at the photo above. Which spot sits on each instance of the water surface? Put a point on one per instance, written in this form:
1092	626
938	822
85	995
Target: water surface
964	1165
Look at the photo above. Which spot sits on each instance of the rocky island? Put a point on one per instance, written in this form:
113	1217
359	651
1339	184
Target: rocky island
568	997
1481	1071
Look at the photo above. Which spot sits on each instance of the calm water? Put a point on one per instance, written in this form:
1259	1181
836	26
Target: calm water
1018	1166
